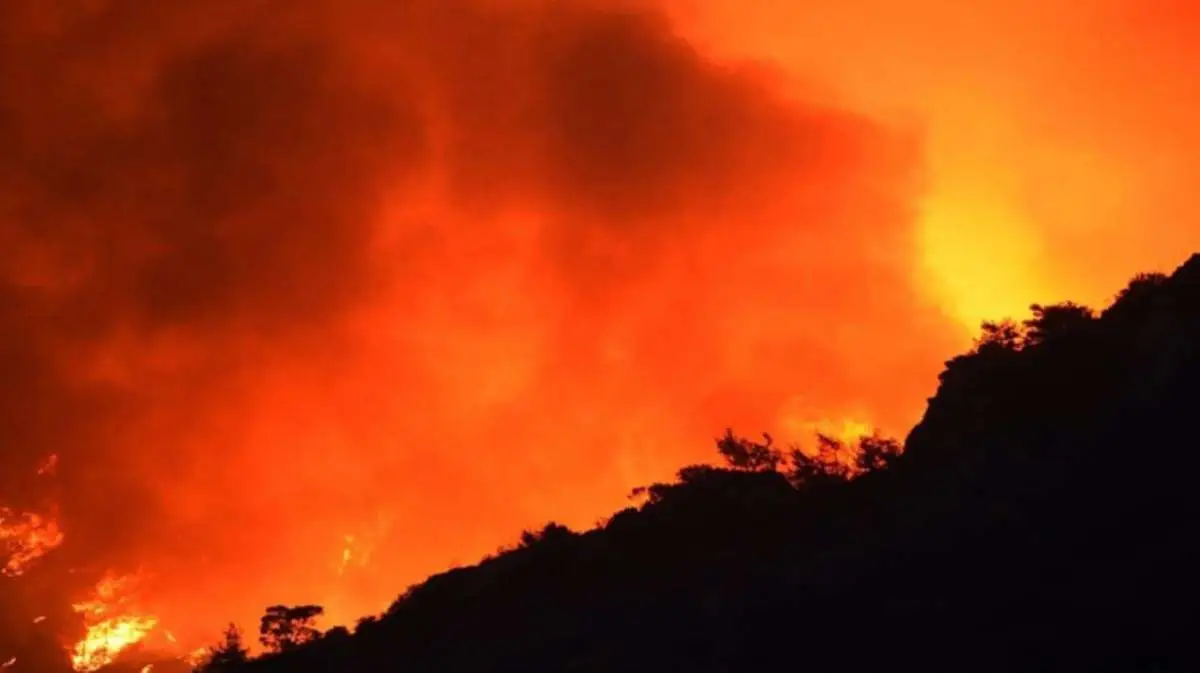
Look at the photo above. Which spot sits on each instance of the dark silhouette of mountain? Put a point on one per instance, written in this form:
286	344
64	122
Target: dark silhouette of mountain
1042	517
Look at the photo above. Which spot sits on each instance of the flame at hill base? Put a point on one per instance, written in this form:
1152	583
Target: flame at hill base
112	623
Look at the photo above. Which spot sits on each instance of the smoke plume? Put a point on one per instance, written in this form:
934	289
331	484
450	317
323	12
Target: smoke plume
312	299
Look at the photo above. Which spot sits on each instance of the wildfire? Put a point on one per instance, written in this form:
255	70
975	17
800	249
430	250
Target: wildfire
357	549
804	426
112	626
48	466
26	537
347	555
354	553
195	657
847	431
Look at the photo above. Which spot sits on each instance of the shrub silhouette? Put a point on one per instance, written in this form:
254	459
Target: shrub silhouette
285	628
743	454
229	653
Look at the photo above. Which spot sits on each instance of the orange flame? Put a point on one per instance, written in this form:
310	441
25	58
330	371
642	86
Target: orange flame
803	423
112	626
195	657
48	466
356	552
26	537
847	431
347	555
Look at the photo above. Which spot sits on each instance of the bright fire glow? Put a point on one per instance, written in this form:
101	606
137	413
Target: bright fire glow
472	265
48	466
196	656
26	537
112	624
981	256
347	555
847	431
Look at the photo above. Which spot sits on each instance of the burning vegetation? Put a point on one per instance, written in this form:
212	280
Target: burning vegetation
458	264
112	622
110	616
27	537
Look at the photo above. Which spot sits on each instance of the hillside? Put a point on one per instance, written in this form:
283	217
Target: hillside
1041	517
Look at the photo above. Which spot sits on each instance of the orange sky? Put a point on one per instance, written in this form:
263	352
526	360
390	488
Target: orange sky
1059	143
280	273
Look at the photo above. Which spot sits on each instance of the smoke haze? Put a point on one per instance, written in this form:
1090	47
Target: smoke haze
313	299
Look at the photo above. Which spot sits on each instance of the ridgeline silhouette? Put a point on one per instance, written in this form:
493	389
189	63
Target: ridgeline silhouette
1041	517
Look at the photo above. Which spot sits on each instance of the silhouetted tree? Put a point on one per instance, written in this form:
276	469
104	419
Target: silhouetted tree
876	453
744	454
1003	335
366	623
1141	286
834	455
550	533
828	465
687	476
285	628
336	635
227	654
1052	322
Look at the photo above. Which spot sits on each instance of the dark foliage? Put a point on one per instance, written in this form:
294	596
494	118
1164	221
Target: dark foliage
227	654
285	628
876	453
1041	518
743	454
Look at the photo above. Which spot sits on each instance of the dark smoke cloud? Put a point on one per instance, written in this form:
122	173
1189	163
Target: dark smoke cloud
223	199
272	269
